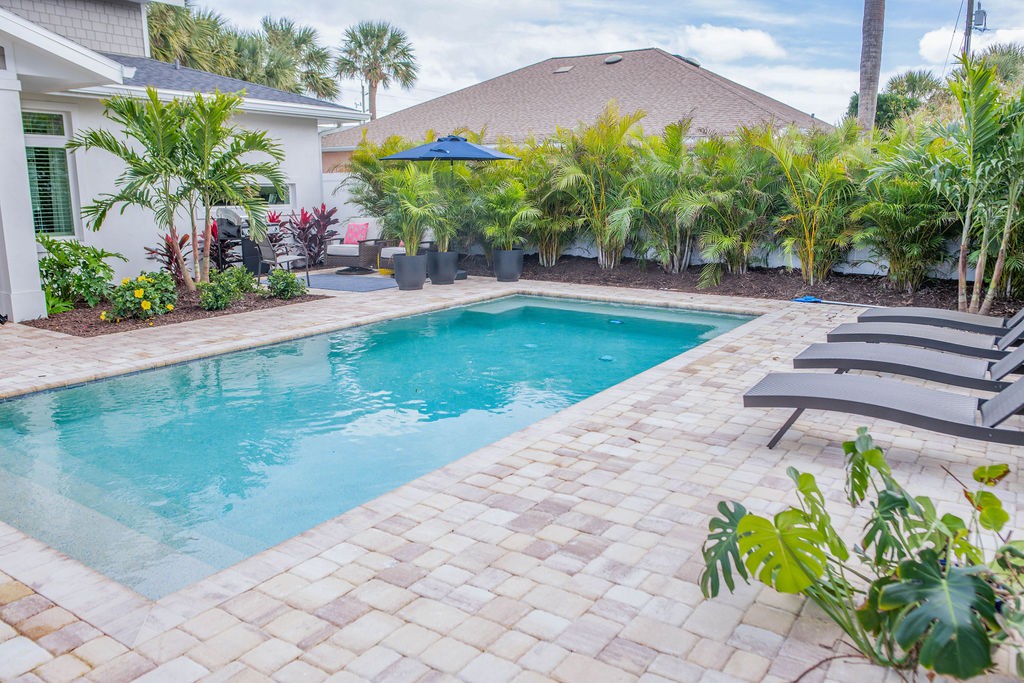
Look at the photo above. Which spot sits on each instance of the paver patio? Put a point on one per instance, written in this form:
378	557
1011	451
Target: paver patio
567	551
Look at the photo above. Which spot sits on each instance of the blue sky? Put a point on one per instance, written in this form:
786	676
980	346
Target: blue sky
804	53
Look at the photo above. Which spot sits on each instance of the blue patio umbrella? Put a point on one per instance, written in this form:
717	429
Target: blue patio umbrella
452	148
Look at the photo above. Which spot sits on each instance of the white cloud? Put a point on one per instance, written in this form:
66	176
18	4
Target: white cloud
822	92
941	46
724	44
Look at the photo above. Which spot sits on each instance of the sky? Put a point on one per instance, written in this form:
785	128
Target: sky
803	52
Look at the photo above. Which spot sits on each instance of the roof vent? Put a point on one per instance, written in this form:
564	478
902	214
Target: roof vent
177	64
689	60
564	69
613	59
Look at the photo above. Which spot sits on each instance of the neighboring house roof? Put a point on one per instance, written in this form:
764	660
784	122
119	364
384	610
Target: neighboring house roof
165	76
564	91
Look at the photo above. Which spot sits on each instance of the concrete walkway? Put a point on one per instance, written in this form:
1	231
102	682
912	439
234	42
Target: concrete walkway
567	551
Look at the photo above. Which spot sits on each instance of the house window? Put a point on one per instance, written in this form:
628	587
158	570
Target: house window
273	197
49	181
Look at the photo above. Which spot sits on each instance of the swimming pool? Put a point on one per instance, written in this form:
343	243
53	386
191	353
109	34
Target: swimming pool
160	478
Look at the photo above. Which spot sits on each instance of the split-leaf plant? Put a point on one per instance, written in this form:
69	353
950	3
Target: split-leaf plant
918	589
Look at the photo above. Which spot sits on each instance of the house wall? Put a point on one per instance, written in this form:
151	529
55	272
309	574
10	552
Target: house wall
104	25
334	162
95	172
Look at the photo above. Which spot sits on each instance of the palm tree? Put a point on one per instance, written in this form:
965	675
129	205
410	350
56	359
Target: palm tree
221	164
198	39
150	177
870	63
379	54
592	164
311	61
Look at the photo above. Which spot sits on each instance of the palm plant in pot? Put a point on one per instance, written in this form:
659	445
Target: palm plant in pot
413	203
509	215
458	210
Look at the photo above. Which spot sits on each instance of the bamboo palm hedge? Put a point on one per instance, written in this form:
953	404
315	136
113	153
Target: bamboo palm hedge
940	189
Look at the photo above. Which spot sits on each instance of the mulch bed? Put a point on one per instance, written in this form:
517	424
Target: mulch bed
85	321
780	283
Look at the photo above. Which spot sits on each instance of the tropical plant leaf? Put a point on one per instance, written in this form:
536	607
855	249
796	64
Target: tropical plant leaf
786	554
721	550
990	475
813	502
993	517
862	456
943	614
870	615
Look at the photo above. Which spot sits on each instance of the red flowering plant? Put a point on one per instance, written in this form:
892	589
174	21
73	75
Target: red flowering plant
164	255
312	230
222	252
273	217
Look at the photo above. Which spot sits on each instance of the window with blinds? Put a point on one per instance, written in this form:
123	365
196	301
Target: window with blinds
50	187
48	178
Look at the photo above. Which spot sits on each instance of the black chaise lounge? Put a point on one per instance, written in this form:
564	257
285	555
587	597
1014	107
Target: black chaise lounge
939	317
990	346
936	366
939	411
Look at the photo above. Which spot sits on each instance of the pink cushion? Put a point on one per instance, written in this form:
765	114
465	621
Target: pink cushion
356	232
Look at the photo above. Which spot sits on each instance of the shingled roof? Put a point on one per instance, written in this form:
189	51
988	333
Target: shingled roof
161	75
564	91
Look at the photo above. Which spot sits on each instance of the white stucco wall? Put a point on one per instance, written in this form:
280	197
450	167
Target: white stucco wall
95	172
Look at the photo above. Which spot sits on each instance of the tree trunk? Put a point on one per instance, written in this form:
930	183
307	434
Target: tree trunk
870	63
979	271
373	99
207	236
961	270
997	271
176	250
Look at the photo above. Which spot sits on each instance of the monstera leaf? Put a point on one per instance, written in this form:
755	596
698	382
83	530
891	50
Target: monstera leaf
813	502
862	456
721	550
944	614
785	554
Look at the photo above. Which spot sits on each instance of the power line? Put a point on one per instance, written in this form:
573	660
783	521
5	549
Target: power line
949	49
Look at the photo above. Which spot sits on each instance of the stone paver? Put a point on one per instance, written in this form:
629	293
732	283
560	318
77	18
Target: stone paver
567	551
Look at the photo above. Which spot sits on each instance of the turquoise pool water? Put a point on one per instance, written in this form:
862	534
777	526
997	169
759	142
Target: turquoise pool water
163	477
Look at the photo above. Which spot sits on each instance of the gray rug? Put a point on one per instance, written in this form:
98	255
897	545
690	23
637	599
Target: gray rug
351	283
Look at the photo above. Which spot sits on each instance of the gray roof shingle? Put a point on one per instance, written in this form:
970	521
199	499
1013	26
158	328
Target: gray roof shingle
151	72
563	91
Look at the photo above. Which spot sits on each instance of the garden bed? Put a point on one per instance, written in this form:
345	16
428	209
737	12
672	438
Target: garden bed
777	283
85	321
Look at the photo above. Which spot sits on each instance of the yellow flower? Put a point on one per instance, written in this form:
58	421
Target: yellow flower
103	315
125	281
146	305
139	293
170	307
141	278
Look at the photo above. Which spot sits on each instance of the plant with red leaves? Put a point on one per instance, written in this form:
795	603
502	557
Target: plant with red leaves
312	230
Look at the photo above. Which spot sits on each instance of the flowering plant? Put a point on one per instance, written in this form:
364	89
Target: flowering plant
312	229
145	296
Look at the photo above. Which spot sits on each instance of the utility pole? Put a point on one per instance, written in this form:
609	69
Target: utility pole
968	25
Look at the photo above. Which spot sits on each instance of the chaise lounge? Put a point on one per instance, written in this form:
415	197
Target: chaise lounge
935	366
990	346
938	317
938	411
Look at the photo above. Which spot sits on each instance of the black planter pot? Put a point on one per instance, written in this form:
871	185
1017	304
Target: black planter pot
410	271
442	267
508	264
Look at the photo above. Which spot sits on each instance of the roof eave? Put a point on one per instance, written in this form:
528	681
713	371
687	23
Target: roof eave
61	47
249	104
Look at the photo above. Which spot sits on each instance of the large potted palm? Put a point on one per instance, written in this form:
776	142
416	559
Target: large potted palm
459	211
413	203
509	215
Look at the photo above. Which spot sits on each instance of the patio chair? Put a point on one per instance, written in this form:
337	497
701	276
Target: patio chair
271	259
938	411
934	366
939	338
938	317
353	252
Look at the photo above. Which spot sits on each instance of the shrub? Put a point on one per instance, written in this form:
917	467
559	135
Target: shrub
924	589
240	279
216	295
72	272
284	284
148	295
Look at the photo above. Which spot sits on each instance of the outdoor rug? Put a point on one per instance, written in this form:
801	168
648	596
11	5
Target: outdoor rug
351	283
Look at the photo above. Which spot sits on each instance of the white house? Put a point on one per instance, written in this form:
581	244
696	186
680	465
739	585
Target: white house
58	59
